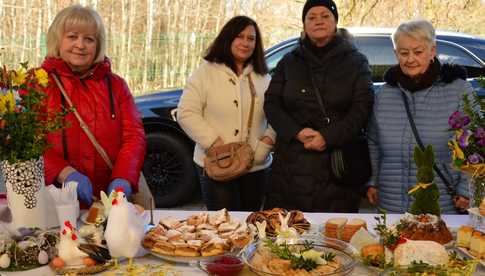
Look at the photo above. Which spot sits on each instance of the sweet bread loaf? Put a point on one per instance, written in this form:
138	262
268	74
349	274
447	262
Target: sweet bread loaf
334	226
351	227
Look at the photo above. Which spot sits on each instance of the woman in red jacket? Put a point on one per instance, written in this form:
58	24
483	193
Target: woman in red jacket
76	47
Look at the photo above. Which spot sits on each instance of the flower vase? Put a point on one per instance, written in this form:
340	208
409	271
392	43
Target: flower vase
476	189
24	182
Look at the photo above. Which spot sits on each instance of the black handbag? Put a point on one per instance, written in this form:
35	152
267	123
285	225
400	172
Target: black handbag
350	163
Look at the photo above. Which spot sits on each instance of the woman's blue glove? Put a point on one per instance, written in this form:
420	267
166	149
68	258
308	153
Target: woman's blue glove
120	183
84	187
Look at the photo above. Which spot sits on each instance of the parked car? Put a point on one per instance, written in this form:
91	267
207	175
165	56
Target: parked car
169	168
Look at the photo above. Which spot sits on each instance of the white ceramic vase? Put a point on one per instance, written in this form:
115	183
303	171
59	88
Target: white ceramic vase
24	182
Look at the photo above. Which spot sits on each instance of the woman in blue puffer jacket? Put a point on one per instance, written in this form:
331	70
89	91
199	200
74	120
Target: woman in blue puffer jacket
433	92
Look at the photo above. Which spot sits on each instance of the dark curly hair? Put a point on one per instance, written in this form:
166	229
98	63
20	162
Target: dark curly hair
220	49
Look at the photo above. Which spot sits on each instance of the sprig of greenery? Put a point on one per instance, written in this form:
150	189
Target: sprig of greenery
297	262
330	256
389	237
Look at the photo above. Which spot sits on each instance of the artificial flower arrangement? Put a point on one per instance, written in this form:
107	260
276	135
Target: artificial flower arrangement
468	142
24	118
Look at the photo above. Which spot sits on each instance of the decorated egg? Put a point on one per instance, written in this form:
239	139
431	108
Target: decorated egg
4	261
43	258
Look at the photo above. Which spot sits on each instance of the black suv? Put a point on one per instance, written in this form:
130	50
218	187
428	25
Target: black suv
169	168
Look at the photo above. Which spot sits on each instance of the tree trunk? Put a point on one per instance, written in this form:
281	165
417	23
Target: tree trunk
148	42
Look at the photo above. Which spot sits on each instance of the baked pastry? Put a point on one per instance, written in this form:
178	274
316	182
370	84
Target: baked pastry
198	219
429	252
272	218
334	226
374	252
197	236
463	236
351	227
164	248
214	247
170	222
184	249
425	227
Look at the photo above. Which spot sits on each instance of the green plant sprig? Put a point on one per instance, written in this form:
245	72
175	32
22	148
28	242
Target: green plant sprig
297	262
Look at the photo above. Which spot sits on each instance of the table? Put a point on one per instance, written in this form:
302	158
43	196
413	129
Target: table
452	221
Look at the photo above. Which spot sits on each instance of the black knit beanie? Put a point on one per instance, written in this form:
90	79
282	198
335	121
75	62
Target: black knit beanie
329	4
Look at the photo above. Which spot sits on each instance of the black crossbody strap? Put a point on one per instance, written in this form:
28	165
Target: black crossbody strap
326	119
449	188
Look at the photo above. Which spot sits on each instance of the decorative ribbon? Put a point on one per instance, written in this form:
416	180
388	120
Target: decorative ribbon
475	170
418	186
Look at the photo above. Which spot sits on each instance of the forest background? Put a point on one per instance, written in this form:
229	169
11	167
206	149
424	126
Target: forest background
155	44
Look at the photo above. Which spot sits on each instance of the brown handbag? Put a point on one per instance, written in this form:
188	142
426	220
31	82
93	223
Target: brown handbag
144	197
231	160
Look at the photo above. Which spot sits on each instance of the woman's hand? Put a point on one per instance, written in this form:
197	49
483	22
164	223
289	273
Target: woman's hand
84	187
317	143
305	135
461	203
372	195
311	139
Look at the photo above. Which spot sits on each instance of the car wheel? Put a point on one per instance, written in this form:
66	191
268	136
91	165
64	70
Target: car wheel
169	169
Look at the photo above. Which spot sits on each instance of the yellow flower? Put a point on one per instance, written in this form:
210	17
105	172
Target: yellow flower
7	103
18	77
42	77
457	152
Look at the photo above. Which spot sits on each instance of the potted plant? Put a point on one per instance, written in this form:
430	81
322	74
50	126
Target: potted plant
24	125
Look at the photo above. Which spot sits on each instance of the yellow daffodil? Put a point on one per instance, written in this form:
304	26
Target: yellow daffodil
7	103
457	152
42	77
18	77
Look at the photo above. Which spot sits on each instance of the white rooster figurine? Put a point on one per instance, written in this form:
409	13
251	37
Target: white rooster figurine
124	231
68	246
72	250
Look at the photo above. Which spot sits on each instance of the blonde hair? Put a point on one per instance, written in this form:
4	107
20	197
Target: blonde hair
418	29
76	16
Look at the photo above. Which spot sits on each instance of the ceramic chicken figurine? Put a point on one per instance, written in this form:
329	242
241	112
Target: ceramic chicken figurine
426	192
72	250
124	231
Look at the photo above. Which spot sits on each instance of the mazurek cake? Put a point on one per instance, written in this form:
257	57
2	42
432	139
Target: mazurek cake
425	227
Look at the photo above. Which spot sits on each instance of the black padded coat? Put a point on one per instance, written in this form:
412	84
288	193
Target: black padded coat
300	178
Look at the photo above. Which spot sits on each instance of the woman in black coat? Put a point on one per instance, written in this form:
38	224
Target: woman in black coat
302	177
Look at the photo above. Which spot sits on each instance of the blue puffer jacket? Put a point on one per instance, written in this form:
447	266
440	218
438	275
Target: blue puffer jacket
391	140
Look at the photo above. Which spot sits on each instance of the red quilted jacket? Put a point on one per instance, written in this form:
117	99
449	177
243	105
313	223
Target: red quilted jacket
122	137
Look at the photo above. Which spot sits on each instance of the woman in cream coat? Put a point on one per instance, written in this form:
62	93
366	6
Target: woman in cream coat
214	110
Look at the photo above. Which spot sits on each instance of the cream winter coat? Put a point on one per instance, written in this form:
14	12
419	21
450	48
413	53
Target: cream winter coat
216	102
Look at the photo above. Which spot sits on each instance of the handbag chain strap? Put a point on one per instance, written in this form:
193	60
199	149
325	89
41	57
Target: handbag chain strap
449	188
83	125
251	108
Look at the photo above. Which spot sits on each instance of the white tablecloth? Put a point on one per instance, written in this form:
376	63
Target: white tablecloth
452	221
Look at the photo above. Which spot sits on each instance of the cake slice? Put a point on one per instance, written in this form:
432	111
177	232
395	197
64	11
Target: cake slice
463	236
